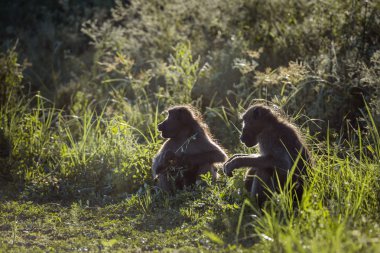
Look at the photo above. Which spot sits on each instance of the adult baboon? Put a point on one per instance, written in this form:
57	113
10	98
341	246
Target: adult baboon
188	152
280	144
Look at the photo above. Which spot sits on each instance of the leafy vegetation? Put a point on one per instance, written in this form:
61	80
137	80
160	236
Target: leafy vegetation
82	88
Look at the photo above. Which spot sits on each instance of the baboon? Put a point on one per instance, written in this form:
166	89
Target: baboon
281	146
189	151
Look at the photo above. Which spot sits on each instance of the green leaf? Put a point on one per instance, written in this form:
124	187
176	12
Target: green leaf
213	237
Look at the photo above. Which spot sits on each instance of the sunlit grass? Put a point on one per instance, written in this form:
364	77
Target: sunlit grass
338	212
80	179
98	170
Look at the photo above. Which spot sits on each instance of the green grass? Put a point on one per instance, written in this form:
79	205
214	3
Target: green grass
146	222
83	182
339	213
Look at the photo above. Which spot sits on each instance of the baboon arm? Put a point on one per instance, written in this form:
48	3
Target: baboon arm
157	166
236	155
257	162
210	157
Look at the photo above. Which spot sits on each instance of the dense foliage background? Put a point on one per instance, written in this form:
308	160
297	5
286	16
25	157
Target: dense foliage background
83	85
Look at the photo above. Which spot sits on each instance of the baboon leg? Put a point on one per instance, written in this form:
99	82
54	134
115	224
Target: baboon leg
206	169
262	185
180	183
298	190
248	179
190	177
163	182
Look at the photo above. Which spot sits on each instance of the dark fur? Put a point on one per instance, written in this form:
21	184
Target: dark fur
188	152
280	146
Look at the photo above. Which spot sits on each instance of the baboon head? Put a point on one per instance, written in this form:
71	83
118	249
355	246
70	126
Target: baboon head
255	120
180	119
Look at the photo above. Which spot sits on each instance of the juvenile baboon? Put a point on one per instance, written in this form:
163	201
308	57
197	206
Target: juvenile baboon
280	144
189	151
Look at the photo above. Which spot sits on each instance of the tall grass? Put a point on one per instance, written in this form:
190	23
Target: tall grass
69	154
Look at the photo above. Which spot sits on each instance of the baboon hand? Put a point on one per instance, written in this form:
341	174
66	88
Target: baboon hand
228	167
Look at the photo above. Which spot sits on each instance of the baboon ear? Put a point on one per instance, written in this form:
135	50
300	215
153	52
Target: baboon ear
256	113
259	112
